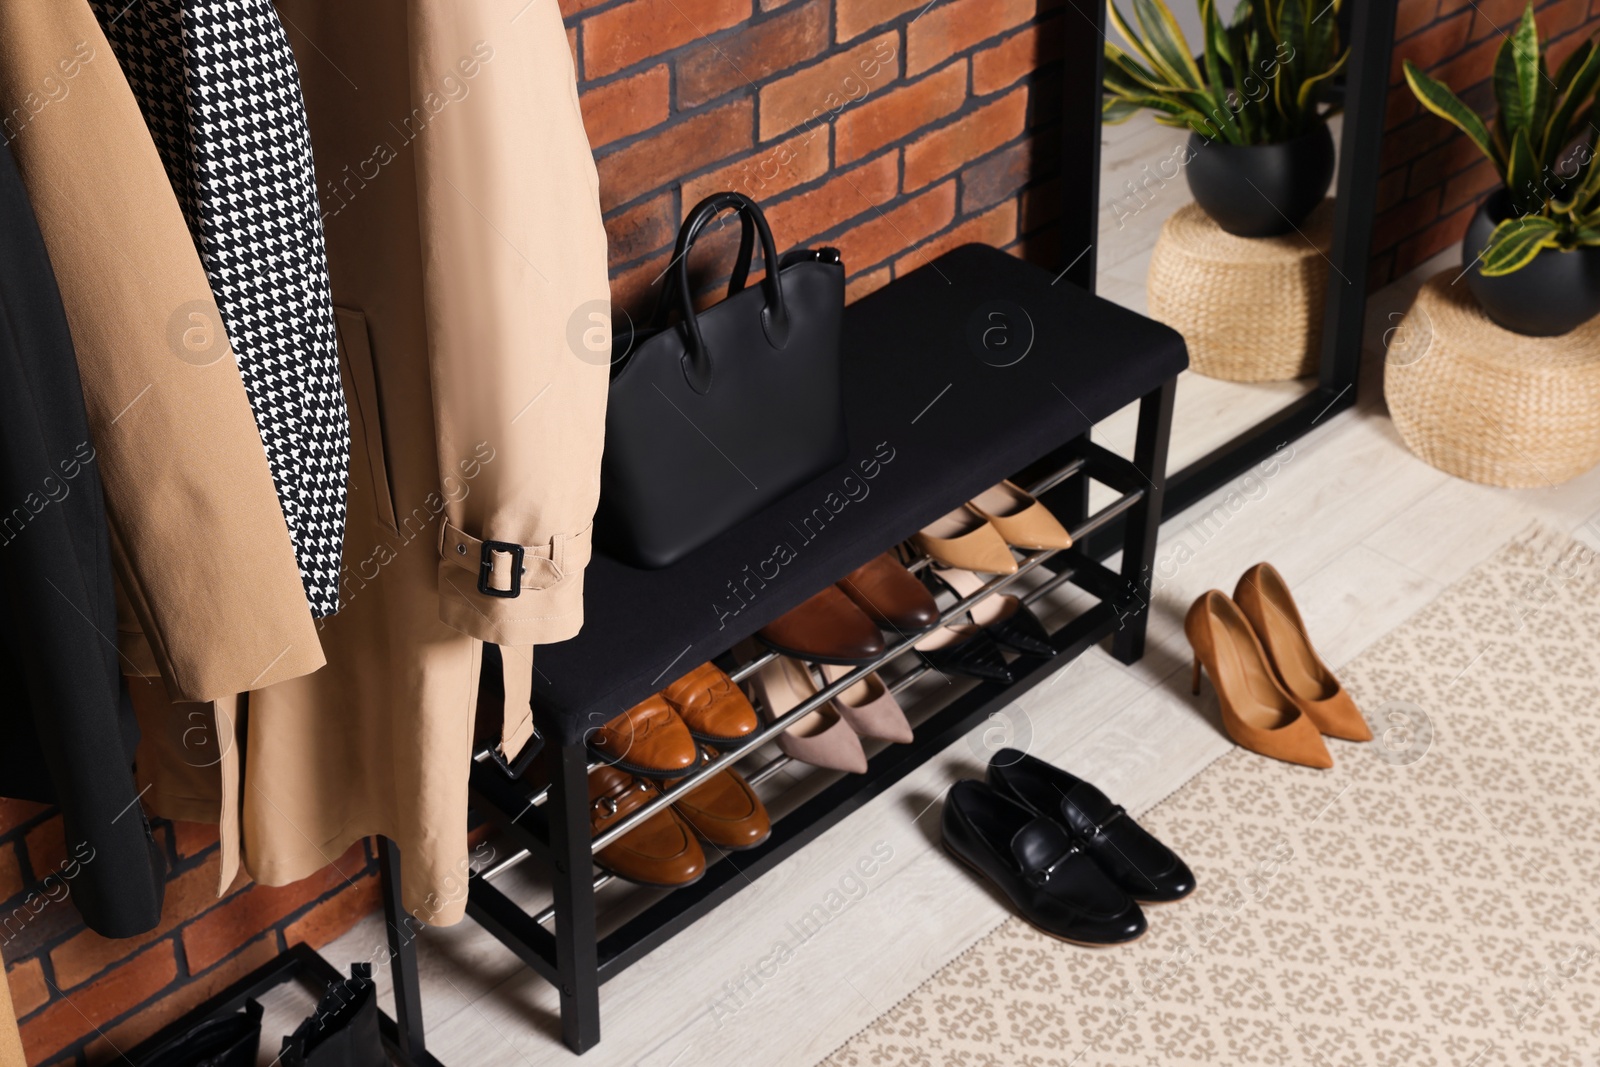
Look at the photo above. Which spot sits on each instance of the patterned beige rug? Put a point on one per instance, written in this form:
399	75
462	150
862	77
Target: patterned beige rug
1432	901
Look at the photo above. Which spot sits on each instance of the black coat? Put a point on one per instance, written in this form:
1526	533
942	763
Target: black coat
67	736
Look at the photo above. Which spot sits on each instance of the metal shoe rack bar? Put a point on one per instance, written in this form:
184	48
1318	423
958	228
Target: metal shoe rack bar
551	823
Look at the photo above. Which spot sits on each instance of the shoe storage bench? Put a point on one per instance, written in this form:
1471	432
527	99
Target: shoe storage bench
973	368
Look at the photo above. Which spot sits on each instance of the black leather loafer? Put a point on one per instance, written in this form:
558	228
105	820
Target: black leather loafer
1045	873
1140	865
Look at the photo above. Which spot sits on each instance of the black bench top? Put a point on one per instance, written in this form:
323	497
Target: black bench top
962	372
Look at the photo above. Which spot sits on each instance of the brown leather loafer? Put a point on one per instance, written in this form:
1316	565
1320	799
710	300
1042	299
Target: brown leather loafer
711	706
828	628
648	739
726	811
661	851
891	596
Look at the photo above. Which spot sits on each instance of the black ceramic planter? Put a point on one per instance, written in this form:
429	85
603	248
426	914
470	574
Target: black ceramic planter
1556	293
1261	190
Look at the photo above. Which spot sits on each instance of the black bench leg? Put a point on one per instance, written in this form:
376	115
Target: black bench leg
1144	520
577	956
402	957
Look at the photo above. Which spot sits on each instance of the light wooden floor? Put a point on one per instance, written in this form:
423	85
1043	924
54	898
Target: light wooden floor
1365	533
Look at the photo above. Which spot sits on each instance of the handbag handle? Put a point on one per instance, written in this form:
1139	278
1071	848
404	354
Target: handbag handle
774	315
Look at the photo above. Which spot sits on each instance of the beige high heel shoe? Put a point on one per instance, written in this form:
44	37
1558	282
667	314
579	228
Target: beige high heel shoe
1264	597
821	738
1021	520
869	707
962	538
1257	712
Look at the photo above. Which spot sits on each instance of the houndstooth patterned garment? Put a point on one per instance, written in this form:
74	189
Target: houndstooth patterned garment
220	92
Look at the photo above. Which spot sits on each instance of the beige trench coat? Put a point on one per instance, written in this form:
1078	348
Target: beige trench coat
468	265
10	1040
212	600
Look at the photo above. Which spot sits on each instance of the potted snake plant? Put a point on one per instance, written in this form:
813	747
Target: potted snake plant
1534	243
1259	157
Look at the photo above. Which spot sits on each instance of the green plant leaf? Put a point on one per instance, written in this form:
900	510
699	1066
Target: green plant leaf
1322	38
1585	188
1316	83
1135	42
1543	104
1569	66
1125	77
1516	76
1119	109
1515	242
1437	98
1122	69
1216	53
1291	26
1522	176
1580	85
1243	15
1169	52
1244	114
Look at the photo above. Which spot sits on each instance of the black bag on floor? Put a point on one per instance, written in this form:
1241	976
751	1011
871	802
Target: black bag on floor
230	1041
712	419
343	1032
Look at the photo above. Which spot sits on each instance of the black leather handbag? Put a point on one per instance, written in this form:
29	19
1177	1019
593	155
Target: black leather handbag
718	416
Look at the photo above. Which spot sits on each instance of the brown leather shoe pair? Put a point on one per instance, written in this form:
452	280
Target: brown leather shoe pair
661	735
844	623
663	850
979	535
1276	695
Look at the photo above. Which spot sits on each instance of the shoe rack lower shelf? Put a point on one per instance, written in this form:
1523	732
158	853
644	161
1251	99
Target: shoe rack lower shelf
528	821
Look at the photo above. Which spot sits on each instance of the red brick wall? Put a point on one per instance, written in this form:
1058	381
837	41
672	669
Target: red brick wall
1432	177
82	998
892	129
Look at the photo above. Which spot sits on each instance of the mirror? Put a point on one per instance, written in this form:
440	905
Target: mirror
1227	238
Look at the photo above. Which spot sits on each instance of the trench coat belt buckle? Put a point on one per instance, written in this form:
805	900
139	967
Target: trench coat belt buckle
502	568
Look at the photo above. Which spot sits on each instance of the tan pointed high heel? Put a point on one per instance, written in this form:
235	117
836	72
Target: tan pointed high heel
1021	520
1263	596
869	707
821	738
1257	712
964	539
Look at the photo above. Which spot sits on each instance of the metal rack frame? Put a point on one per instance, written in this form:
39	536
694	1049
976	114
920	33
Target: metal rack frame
552	824
402	1035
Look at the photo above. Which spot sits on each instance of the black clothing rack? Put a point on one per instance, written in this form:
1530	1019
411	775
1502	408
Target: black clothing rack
402	1035
1022	410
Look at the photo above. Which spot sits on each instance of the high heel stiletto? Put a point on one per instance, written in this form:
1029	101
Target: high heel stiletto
821	738
869	707
1263	596
1257	712
1005	618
